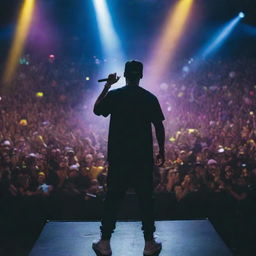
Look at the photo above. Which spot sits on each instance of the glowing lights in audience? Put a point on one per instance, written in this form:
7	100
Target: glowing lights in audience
23	122
39	94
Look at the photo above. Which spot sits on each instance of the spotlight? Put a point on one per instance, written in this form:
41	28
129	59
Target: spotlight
241	15
219	38
110	40
166	47
21	33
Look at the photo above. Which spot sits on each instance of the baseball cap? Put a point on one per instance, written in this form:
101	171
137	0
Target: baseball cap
133	69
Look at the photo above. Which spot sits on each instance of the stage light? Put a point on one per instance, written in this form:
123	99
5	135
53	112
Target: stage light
19	40
109	39
251	30
167	44
216	41
241	15
87	78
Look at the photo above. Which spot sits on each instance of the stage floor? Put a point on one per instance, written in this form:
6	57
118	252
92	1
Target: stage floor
179	238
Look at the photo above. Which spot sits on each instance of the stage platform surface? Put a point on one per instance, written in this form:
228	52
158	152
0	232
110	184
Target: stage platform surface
179	238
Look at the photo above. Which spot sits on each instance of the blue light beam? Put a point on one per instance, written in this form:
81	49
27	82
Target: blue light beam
219	38
251	30
109	39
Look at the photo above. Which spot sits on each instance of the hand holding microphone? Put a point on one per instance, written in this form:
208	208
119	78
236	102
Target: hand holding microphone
112	79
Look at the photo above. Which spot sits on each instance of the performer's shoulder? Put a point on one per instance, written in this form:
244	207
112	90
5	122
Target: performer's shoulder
139	89
117	90
148	93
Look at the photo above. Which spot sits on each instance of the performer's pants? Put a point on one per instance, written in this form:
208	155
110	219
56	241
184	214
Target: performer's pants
119	179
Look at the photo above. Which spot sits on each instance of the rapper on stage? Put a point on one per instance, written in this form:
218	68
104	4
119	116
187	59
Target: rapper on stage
132	110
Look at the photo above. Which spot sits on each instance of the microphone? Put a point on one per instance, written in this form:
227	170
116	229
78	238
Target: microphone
103	80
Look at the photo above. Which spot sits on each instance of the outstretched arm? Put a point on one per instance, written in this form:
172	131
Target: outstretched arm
160	136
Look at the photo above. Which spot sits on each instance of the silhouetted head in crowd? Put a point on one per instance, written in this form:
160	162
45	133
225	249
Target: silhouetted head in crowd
89	160
200	170
228	172
41	178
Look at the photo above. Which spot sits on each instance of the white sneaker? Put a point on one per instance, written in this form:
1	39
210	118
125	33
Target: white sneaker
102	248
152	248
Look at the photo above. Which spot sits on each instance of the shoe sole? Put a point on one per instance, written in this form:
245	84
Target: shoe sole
154	254
99	253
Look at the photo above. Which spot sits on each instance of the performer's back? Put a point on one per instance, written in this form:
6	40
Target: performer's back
132	110
130	152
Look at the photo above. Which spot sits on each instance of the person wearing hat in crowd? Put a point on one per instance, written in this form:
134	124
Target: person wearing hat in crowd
130	152
42	185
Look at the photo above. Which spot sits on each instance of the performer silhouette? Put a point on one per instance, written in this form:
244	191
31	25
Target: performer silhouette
130	152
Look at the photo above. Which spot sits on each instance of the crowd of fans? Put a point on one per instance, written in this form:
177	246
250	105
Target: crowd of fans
52	145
